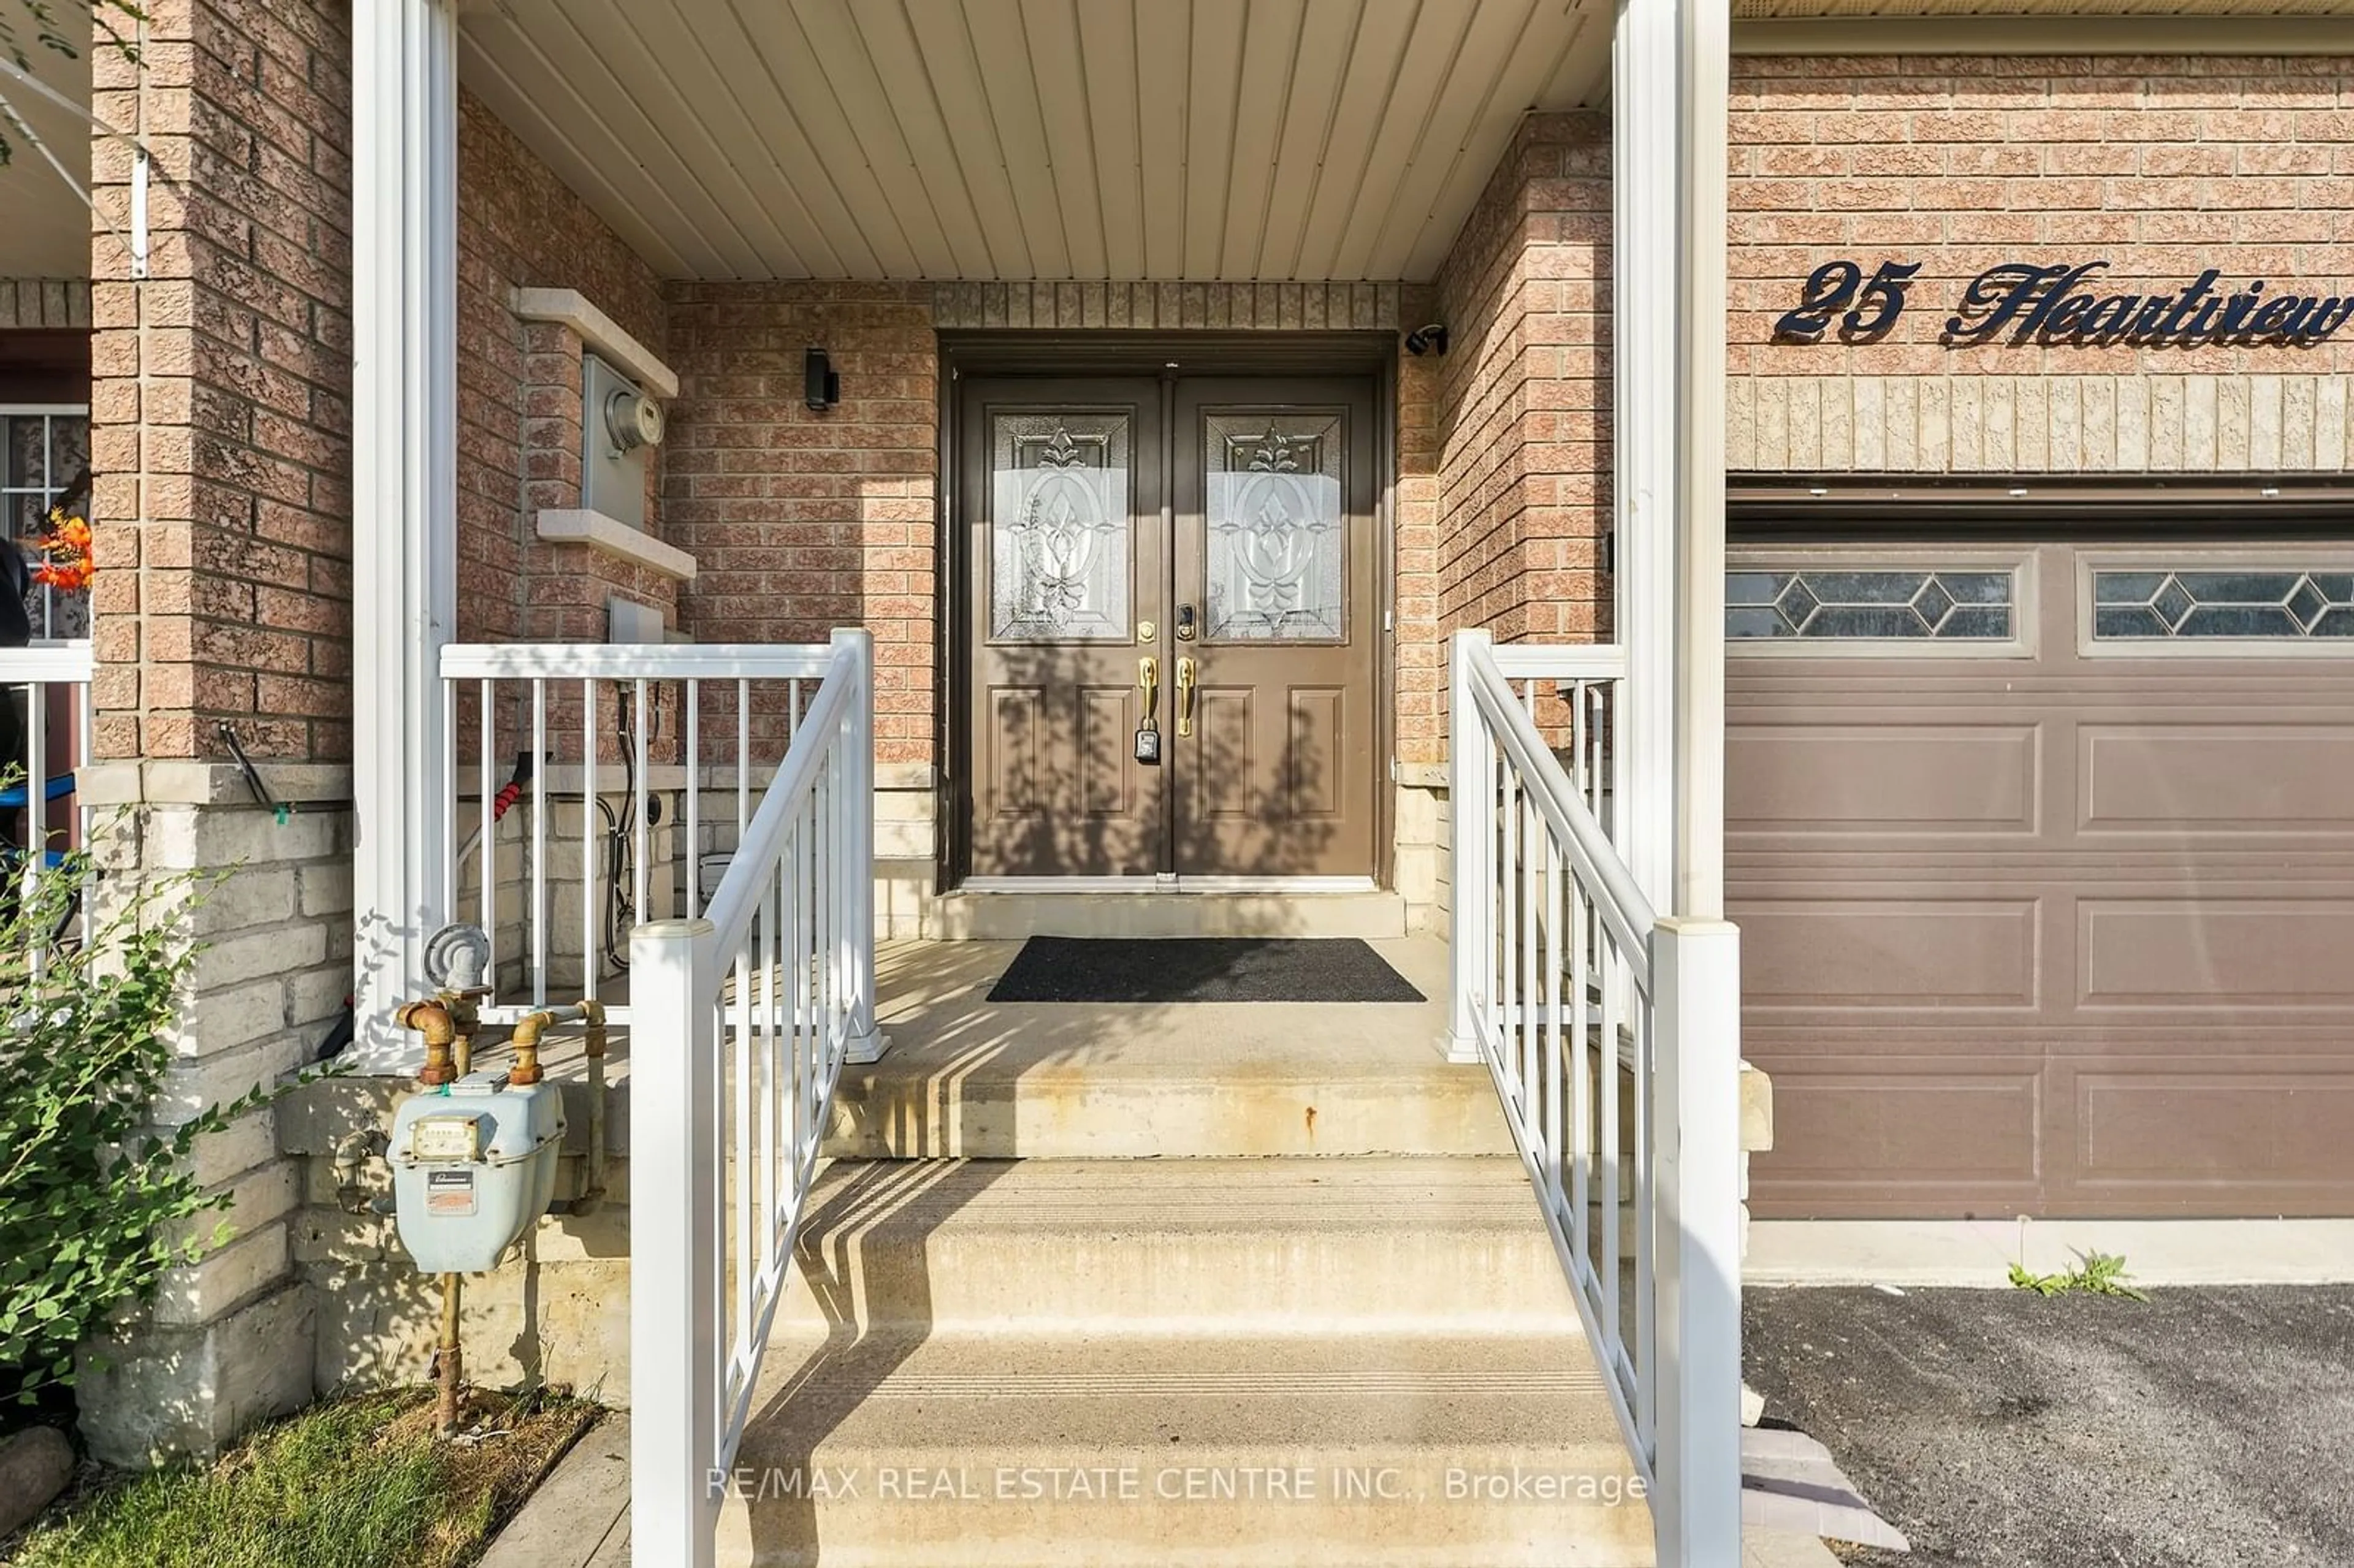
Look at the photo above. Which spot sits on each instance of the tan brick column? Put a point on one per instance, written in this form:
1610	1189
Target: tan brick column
220	438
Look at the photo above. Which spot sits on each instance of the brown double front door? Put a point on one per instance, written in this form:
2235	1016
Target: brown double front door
1169	611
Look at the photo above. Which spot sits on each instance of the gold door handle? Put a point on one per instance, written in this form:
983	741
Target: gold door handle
1184	697
1148	677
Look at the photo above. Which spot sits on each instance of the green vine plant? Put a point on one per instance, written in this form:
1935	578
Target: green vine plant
32	27
97	1202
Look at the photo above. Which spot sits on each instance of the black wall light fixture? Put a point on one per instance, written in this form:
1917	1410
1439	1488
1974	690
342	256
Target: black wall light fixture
821	383
1423	339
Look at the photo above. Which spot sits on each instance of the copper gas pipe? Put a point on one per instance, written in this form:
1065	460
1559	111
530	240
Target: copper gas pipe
526	1041
432	1019
449	1362
592	1188
532	1025
466	1018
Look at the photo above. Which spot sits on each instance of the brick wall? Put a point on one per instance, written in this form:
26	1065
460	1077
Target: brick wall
801	521
1421	648
221	436
519	392
1521	430
221	389
2164	167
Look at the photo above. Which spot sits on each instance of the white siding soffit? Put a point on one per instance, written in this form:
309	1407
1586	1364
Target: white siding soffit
1266	140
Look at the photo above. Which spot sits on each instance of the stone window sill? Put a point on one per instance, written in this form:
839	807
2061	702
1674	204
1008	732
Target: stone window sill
612	536
600	333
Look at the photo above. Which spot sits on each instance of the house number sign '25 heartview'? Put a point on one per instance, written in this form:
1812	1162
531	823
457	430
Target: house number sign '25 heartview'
2063	305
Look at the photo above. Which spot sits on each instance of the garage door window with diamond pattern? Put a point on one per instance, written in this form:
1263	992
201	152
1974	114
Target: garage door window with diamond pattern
1867	604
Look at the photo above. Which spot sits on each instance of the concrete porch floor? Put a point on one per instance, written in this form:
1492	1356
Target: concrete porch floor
967	1076
933	997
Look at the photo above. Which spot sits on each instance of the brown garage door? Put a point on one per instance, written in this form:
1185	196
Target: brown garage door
2043	857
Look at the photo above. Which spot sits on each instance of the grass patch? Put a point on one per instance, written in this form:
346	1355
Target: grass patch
2096	1273
353	1483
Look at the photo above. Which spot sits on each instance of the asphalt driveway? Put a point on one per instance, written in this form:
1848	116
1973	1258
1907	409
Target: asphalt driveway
2210	1428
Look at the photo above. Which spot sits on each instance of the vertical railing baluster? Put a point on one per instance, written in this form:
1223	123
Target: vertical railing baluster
1647	1364
693	797
1602	797
771	1053
804	943
743	1176
1581	1070
589	967
1606	1068
640	830
827	872
85	740
486	853
743	759
450	793
36	830
1555	866
796	932
806	850
539	909
1509	885
1533	833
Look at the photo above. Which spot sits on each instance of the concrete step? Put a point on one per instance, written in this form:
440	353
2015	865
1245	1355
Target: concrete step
968	917
966	1076
1207	1246
1260	1451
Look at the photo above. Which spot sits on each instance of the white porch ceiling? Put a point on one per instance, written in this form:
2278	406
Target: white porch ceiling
1267	140
44	226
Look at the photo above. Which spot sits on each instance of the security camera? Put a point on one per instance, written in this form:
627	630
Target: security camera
1423	339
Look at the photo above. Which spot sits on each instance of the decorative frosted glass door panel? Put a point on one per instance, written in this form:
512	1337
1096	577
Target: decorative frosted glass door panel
1276	531
1275	554
1059	500
1060	531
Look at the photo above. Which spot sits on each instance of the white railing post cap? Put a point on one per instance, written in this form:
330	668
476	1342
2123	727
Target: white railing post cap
683	930
1694	925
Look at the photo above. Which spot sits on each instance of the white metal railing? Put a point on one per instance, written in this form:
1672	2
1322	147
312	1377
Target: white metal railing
1613	1035
637	765
50	683
745	1017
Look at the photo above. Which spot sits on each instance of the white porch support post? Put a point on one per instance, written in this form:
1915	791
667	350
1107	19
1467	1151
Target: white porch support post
1470	808
1696	1132
1669	96
1643	316
403	483
677	1355
1703	59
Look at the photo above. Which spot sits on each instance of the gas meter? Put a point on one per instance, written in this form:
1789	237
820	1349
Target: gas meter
474	1165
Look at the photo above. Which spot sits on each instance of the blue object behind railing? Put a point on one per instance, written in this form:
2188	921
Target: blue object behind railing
59	786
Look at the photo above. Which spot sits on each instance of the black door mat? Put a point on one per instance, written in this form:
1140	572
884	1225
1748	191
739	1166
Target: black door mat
1200	968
